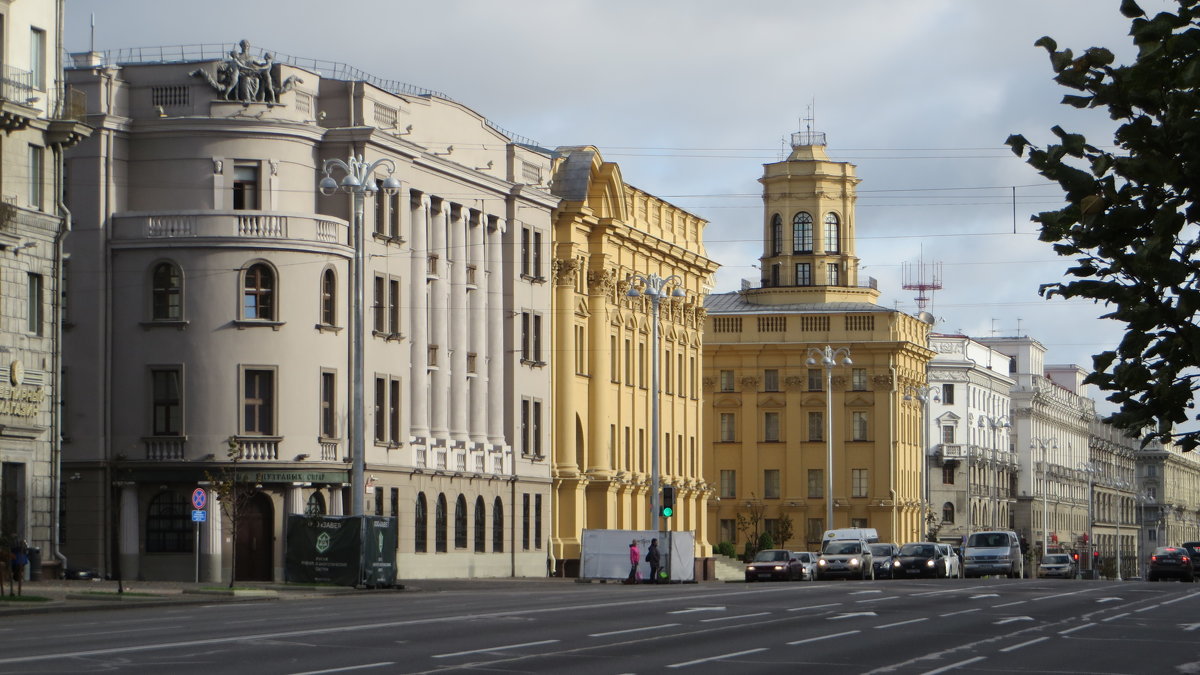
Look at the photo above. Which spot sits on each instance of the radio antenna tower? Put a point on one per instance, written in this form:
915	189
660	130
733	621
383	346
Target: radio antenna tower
924	279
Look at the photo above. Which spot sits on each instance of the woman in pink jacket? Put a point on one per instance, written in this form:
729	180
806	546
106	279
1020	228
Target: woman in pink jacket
634	558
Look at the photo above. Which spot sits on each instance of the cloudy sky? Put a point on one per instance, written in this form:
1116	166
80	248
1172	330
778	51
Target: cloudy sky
691	97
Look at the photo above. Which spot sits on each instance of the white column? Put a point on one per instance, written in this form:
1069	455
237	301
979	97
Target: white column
477	339
458	318
438	318
295	499
210	541
497	392
335	500
130	531
418	395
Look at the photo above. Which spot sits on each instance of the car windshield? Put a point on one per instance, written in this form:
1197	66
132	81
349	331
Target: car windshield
881	549
988	540
771	556
1056	560
917	549
843	548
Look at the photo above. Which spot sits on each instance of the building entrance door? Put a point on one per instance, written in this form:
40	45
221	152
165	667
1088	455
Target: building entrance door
255	539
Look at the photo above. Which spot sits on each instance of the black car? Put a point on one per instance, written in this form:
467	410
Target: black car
775	564
884	554
923	559
1170	562
1193	549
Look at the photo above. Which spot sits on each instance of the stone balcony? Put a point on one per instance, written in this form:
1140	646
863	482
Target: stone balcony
226	225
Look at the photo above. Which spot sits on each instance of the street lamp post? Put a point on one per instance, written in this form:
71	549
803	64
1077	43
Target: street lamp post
359	182
654	286
923	395
827	357
1045	444
1091	469
992	424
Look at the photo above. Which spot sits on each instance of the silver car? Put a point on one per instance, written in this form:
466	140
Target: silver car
954	569
850	558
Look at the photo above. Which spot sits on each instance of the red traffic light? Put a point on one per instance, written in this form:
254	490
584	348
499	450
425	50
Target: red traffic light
1095	554
1075	556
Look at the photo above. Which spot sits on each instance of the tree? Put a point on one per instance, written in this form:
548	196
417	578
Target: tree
232	494
749	523
1131	216
784	530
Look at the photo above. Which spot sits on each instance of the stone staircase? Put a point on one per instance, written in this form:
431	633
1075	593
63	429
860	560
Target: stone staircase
729	569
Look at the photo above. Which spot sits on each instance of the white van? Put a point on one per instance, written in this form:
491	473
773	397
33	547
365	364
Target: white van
993	552
867	534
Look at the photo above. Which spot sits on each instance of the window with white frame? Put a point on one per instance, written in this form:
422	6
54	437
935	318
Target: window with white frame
726	380
859	484
728	484
771	427
258	402
858	425
771	484
728	427
816	484
167	401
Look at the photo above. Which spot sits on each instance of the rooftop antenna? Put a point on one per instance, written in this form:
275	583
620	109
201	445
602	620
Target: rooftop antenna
924	279
92	45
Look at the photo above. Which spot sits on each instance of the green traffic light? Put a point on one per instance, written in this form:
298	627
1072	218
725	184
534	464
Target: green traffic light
667	511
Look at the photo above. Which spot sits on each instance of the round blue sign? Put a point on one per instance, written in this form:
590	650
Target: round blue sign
199	498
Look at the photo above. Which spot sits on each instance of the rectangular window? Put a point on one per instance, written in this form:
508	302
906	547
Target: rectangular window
947	475
245	187
614	359
37	159
393	309
525	257
168	402
858	424
728	530
380	410
537	519
535	264
815	379
692	374
771	427
804	274
394	511
258	402
858	522
816	485
770	380
537	338
833	275
771	484
858	483
642	365
814	529
34	311
728	427
526	340
726	380
728	484
858	379
948	394
679	373
37	57
948	433
628	362
379	501
381	204
666	374
536	431
526	411
328	405
525	521
378	305
394	411
816	426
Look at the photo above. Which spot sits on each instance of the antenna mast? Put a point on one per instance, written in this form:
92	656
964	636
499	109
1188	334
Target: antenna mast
924	279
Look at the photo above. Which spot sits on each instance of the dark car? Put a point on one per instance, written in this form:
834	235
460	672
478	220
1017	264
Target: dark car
775	564
923	559
1056	566
1193	549
1170	562
850	558
884	554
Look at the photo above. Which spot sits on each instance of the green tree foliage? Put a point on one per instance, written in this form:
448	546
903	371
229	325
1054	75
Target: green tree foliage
1132	215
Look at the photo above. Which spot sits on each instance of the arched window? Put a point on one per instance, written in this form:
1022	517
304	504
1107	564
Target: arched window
167	293
258	293
460	522
328	298
776	235
169	524
480	526
421	525
832	233
439	525
498	526
948	513
802	235
316	505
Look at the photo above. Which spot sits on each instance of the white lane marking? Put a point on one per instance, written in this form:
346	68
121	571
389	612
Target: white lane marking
1189	626
890	597
487	650
801	609
1025	644
1010	619
1186	597
863	592
342	670
985	595
1060	595
1118	616
1009	604
903	623
961	611
689	610
952	666
825	637
717	658
1108	599
850	615
1145	609
633	630
1072	630
731	618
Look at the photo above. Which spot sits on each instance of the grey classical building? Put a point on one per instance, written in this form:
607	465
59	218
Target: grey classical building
209	295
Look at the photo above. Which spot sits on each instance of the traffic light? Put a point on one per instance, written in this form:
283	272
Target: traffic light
1095	555
667	508
1075	557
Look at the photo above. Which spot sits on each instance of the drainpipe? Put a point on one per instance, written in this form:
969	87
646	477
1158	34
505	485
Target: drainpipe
56	356
892	445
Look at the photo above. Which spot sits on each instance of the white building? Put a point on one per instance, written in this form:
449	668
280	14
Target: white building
209	295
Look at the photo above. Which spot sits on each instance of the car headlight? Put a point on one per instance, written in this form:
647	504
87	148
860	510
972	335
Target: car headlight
821	562
1004	558
854	562
778	567
929	563
895	563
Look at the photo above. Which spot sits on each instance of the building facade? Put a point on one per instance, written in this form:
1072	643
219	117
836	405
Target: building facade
608	237
973	466
40	119
1115	528
775	412
1168	501
210	296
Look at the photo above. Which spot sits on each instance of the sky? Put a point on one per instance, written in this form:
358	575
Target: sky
692	97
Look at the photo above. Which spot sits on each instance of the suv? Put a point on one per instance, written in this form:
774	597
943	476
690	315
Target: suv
994	552
849	558
1193	549
1170	561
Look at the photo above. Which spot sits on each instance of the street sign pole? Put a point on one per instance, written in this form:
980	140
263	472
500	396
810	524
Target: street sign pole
196	548
199	515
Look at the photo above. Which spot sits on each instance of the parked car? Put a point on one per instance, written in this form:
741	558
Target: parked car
921	559
809	562
774	564
993	552
953	562
1056	566
1170	562
1193	549
850	558
883	555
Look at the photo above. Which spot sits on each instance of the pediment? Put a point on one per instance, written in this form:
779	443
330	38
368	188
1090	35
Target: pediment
948	417
813	401
860	401
772	401
581	307
727	402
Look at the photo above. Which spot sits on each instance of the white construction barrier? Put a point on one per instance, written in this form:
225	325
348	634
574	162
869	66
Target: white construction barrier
606	554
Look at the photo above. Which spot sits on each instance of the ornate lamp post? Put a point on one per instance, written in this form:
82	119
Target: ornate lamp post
990	423
654	286
923	395
1045	444
359	182
827	357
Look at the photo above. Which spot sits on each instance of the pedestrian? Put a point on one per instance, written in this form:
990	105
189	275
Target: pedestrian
634	558
5	566
652	558
20	558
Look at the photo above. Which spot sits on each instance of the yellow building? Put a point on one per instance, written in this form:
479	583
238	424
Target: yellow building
605	233
767	431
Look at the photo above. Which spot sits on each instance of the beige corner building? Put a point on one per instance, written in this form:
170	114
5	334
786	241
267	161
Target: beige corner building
606	233
766	423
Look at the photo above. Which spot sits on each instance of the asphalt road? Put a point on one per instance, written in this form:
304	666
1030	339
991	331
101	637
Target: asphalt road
905	626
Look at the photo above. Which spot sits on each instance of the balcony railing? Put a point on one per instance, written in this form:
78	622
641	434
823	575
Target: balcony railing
329	450
165	448
259	448
16	84
229	224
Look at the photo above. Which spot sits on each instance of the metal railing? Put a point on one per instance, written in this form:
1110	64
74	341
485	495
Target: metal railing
15	84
